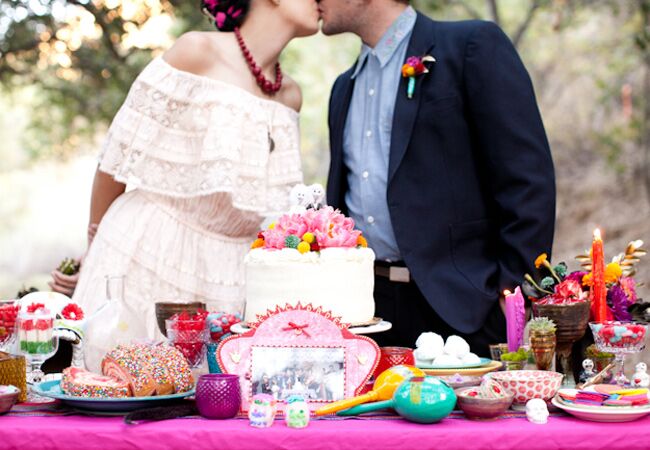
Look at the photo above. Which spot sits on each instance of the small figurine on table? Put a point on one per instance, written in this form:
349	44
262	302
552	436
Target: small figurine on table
297	412
537	411
641	377
587	370
262	411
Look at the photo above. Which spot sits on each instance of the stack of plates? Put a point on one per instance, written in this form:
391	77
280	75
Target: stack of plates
597	413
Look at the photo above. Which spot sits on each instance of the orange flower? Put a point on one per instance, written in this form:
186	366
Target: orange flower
587	280
362	241
259	242
613	272
541	259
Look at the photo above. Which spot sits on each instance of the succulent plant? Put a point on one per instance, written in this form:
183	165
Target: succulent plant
519	355
24	291
69	266
541	325
592	352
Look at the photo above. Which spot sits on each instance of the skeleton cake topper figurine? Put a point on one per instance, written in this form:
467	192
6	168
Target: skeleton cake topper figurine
587	370
300	198
318	195
641	377
537	411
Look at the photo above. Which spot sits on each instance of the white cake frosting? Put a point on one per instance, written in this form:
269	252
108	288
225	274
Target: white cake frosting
340	280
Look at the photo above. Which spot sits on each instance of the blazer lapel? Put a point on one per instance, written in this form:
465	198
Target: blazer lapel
406	109
339	113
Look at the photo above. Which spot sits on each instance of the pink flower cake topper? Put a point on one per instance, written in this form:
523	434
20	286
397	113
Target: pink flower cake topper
312	230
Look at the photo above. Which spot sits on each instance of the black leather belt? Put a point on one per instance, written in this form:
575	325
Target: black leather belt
396	272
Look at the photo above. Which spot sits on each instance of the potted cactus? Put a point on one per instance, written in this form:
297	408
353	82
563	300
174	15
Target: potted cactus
542	341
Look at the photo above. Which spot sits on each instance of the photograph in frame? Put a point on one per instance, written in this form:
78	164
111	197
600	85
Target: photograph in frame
316	373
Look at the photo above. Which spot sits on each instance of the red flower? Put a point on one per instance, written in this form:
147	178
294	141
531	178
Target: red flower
72	311
569	289
35	307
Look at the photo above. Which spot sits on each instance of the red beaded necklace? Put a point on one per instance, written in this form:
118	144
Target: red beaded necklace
262	81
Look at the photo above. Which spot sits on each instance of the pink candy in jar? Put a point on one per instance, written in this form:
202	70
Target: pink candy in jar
619	334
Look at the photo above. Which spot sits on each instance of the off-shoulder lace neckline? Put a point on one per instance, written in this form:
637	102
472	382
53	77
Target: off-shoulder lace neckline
203	78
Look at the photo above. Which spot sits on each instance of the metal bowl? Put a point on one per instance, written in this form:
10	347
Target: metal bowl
8	399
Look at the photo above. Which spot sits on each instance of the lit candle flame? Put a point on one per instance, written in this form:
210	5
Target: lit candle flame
506	293
597	234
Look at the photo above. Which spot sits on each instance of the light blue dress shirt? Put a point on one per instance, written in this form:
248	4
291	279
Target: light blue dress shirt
366	137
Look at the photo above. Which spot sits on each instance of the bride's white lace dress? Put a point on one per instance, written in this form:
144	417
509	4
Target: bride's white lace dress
197	152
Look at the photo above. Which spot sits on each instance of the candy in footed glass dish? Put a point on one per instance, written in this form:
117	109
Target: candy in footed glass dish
37	341
620	339
190	335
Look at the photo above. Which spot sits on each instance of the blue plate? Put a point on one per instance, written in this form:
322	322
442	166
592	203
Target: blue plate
483	362
52	389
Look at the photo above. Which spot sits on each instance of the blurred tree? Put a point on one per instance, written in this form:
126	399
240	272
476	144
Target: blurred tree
83	55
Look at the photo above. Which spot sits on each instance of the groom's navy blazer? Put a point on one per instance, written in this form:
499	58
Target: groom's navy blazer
471	187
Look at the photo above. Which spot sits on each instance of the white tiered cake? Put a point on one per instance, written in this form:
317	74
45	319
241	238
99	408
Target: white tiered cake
312	257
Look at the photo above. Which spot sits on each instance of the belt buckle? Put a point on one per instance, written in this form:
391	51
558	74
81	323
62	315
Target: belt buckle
399	274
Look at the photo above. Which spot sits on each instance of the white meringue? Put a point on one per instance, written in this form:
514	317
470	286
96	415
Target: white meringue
447	360
456	346
431	345
471	358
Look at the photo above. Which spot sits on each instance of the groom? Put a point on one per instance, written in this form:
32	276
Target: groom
454	188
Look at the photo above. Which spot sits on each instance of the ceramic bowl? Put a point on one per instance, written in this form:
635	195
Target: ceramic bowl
527	384
482	408
8	397
164	310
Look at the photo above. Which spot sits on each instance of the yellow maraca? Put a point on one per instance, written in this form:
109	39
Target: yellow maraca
383	389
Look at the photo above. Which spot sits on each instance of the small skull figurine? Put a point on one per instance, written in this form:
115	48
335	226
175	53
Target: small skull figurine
641	377
587	370
262	411
300	198
297	412
318	194
537	411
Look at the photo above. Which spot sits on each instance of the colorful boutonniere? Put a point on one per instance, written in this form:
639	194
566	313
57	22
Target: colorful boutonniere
413	67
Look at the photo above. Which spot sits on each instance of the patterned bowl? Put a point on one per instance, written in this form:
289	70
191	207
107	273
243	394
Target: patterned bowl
527	384
482	408
8	397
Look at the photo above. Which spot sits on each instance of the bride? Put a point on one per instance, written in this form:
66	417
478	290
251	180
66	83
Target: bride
208	138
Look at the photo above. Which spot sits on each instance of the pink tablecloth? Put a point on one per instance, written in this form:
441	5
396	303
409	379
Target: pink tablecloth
87	433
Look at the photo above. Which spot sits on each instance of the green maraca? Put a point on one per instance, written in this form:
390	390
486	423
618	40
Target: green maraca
418	399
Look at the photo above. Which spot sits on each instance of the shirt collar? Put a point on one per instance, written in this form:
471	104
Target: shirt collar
392	38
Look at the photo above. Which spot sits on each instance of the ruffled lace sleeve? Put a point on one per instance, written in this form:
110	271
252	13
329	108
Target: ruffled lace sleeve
185	135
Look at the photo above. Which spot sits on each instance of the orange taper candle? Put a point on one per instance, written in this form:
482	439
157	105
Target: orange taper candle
598	288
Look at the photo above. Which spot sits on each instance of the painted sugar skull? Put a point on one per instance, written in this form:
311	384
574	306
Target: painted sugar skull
262	411
297	412
537	411
641	377
587	370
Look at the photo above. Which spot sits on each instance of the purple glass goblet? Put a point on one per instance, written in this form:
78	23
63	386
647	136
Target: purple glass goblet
218	395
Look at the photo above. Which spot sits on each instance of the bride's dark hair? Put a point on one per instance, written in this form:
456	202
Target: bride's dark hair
227	14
